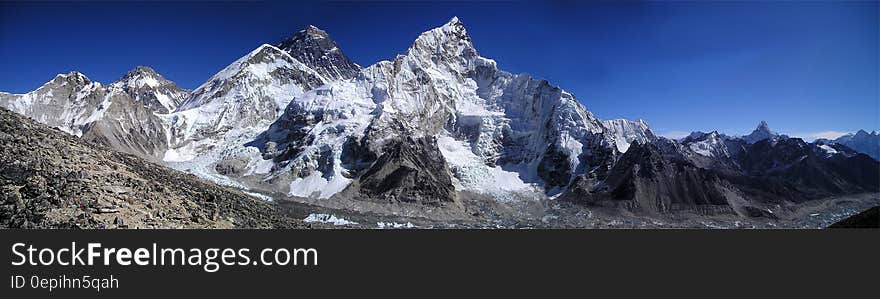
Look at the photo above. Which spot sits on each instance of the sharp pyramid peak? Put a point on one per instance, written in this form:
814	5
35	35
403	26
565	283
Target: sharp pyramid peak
139	72
309	32
316	49
313	29
762	126
454	21
143	70
454	25
72	76
452	35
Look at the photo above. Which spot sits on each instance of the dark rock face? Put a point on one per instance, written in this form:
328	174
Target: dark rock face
555	167
653	182
130	128
410	170
663	176
54	180
798	163
315	48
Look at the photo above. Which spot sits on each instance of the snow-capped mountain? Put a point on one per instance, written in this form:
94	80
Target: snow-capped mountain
710	144
499	133
762	132
238	102
67	102
121	115
244	98
624	132
211	130
863	142
714	173
146	86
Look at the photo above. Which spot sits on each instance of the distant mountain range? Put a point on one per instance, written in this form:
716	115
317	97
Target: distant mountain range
438	132
861	141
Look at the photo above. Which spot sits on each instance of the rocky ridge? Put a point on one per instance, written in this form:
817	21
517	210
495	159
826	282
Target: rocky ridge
54	180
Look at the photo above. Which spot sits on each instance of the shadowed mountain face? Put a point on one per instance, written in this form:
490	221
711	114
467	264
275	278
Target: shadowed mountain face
861	141
799	163
315	48
664	176
50	179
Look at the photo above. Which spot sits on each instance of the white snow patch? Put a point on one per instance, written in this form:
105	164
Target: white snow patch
173	155
386	225
473	175
327	218
315	183
828	150
258	195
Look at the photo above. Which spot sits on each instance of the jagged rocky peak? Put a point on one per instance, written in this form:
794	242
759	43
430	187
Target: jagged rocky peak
863	142
149	88
624	132
449	43
141	71
314	47
66	102
763	126
760	133
863	133
75	78
142	76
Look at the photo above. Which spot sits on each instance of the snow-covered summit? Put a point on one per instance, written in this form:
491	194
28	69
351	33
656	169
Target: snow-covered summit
148	87
492	127
120	115
710	144
624	132
760	133
238	102
67	102
862	141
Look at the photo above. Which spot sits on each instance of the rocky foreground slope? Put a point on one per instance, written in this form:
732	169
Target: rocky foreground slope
49	179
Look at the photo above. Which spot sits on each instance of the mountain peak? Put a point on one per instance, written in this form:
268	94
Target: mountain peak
454	23
72	74
455	26
314	47
450	40
142	76
313	30
142	70
760	133
762	126
72	77
146	86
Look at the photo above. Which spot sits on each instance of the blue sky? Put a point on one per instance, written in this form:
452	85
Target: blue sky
805	67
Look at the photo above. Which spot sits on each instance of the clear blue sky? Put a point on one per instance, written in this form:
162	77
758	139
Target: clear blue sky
805	67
